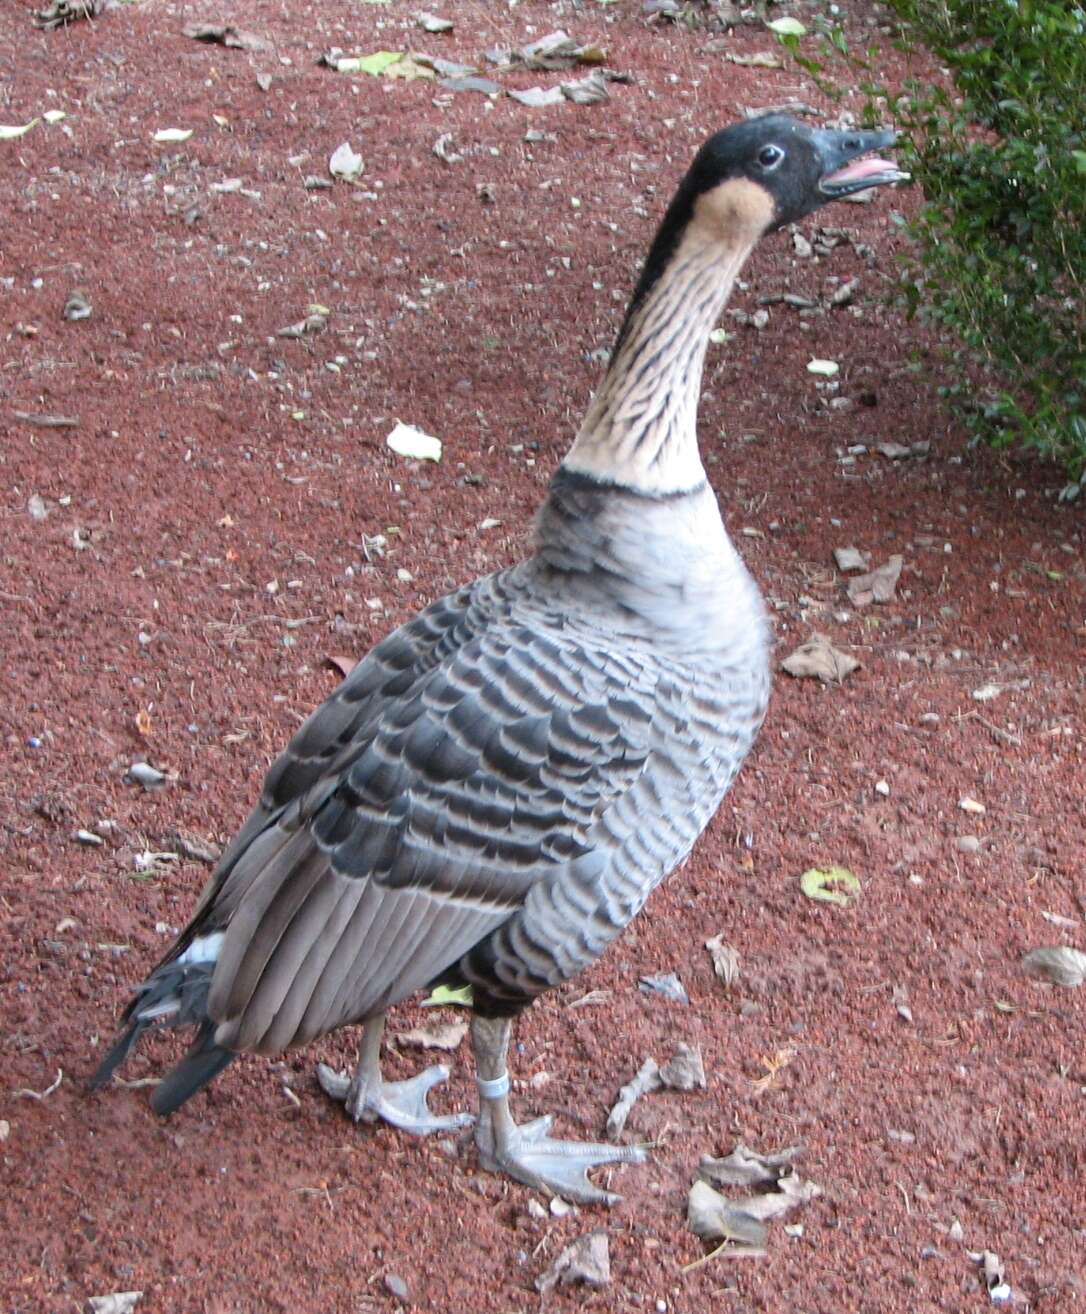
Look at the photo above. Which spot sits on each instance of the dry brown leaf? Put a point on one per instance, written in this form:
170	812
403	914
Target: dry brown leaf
447	1036
818	659
1058	965
713	1218
725	960
773	1064
62	12
877	585
144	724
685	1070
235	38
746	1167
587	1260
757	59
646	1080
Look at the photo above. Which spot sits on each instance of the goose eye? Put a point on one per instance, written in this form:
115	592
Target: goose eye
770	156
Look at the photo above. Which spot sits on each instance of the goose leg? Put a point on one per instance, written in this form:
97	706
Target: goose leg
369	1098
527	1152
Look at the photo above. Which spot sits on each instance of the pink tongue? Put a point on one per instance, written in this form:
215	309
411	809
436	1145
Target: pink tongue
860	169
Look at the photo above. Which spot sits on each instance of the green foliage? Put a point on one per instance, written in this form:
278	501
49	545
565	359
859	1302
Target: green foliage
1001	157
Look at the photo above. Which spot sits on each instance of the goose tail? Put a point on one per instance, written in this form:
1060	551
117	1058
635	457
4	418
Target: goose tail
174	995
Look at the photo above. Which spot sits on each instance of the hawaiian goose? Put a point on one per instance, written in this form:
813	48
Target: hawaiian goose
492	794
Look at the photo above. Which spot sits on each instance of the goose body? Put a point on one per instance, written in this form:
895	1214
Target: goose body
494	791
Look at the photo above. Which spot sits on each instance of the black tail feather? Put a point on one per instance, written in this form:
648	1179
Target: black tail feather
174	995
124	1045
204	1061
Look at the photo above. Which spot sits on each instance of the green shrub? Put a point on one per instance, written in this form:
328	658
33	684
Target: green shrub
1001	156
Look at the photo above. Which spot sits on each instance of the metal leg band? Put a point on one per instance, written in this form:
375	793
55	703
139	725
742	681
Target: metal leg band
495	1089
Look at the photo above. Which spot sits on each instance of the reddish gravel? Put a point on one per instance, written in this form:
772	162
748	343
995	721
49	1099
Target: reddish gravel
207	545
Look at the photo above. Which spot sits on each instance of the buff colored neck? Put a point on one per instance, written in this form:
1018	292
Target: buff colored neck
641	428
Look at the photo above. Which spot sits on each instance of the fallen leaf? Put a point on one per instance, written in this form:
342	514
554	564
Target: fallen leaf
143	773
346	163
440	996
557	50
725	960
999	1288
819	659
538	97
1058	965
235	38
685	1070
62	12
119	1302
375	65
48	421
144	724
586	1260
774	1064
712	1217
485	86
54	116
665	984
447	1036
877	585
646	1081
406	440
757	59
587	91
443	149
344	665
821	884
849	558
313	323
781	107
445	68
410	69
747	1168
77	306
787	26
987	692
431	23
898	451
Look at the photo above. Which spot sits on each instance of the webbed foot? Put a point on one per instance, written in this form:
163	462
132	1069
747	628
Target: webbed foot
369	1098
561	1167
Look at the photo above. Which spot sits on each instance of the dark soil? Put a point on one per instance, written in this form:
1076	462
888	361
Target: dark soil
178	568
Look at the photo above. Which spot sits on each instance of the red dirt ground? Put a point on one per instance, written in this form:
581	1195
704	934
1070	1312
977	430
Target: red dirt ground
201	557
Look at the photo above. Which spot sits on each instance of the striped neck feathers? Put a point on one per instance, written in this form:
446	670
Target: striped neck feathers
641	428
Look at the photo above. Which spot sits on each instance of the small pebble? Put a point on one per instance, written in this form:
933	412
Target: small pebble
396	1286
881	787
666	984
561	1208
967	844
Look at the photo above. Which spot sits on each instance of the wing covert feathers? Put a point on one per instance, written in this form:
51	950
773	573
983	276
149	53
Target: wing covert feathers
493	792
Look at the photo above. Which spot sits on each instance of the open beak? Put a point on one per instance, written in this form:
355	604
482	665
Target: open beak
849	164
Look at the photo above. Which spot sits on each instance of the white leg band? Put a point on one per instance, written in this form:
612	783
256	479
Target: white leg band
493	1090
